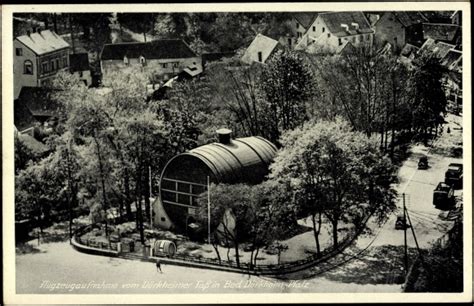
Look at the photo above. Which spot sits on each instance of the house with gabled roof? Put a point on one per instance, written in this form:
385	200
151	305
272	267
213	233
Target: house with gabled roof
332	31
435	48
456	18
452	60
260	49
301	23
35	108
164	58
445	32
399	28
38	57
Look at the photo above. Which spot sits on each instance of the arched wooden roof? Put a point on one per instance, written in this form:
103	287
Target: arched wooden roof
243	160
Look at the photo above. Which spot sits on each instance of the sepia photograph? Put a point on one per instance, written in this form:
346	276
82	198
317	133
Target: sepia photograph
174	150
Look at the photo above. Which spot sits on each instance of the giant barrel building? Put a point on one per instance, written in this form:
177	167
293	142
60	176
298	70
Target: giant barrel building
185	177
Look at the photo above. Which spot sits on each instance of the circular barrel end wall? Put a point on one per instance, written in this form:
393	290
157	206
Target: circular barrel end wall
231	161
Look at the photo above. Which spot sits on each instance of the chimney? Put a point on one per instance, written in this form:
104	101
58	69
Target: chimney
345	26
224	135
355	25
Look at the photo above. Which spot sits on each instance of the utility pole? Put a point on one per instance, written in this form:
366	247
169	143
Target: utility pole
405	233
208	211
151	193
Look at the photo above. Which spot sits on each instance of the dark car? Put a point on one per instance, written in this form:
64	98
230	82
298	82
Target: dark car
423	163
443	196
453	175
401	222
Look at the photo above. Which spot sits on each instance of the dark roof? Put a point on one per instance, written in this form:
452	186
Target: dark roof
438	16
306	19
410	18
441	31
39	101
334	21
22	116
451	59
79	62
243	160
157	49
233	162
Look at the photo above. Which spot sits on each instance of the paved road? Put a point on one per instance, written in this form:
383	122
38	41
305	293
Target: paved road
61	265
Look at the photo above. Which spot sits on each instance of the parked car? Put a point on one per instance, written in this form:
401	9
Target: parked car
423	163
401	222
453	175
443	196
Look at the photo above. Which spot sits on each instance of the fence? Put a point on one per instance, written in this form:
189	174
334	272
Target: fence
112	249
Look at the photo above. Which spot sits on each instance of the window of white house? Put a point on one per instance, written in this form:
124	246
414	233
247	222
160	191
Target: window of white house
175	64
125	60
164	65
53	66
339	41
142	60
28	67
260	58
44	67
314	29
329	35
19	52
324	29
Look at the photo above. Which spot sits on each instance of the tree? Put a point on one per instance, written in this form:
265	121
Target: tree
230	205
287	84
165	27
367	88
231	30
428	100
257	215
321	161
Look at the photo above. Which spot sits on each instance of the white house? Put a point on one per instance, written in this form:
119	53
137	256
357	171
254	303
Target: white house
37	58
261	48
331	31
164	58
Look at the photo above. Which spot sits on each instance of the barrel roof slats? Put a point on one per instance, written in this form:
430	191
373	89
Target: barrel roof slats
231	162
221	161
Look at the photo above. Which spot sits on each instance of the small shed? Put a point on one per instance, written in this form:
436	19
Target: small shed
186	176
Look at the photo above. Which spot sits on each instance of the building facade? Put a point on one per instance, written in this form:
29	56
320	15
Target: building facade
38	57
398	29
332	31
163	58
260	50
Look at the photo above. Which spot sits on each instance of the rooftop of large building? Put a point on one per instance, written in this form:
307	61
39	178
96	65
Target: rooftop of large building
157	49
43	42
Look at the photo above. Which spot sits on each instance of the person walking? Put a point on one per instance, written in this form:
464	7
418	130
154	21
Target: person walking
158	266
